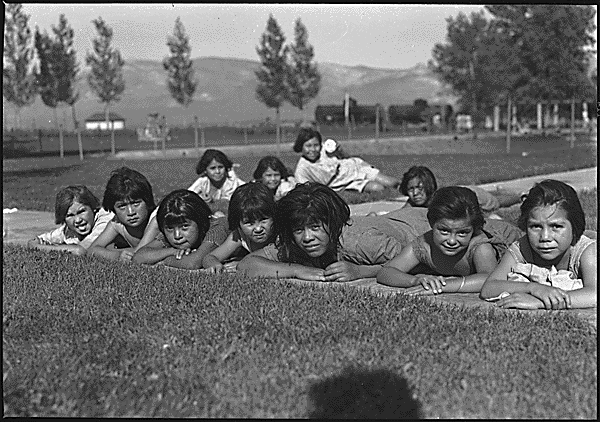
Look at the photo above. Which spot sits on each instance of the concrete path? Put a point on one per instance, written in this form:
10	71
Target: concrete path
19	226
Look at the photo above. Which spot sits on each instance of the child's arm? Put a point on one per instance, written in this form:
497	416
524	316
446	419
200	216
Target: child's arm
154	252
98	248
150	233
257	264
348	271
193	260
588	267
395	272
221	253
39	244
497	283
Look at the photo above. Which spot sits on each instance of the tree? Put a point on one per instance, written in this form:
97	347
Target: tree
106	75
18	79
272	89
180	81
46	78
69	67
303	78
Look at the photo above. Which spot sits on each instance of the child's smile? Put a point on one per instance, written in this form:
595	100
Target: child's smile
452	236
80	219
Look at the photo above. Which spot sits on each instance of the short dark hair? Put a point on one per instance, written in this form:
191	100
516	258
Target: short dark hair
306	134
66	196
251	201
182	204
422	173
455	202
125	183
213	154
550	192
306	204
270	162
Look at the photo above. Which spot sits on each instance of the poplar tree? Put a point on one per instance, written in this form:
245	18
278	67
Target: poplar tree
18	79
106	73
179	66
271	89
303	78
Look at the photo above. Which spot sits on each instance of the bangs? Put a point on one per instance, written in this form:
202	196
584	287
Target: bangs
174	219
256	210
305	217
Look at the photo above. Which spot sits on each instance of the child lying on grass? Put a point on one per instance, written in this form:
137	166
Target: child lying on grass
456	255
186	232
81	220
250	217
554	266
311	221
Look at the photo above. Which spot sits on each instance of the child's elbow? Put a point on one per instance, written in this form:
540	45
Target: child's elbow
33	243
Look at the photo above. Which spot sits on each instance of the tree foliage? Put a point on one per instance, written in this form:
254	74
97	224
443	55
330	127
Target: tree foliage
106	73
181	82
272	89
303	78
18	79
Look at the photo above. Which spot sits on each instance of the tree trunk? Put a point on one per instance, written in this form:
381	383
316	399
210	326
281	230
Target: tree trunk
109	127
77	131
61	141
508	124
278	128
55	118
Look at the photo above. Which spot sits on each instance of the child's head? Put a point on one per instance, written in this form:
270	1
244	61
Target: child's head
455	217
183	218
129	195
214	164
308	143
310	219
552	200
270	170
76	207
419	184
251	210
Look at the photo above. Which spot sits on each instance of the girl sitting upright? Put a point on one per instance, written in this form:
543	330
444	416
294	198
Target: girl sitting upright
272	173
454	256
250	217
81	220
129	195
554	266
186	232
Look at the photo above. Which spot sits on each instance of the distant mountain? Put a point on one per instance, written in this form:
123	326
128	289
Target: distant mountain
226	93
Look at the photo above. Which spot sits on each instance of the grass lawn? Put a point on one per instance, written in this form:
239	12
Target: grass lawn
90	338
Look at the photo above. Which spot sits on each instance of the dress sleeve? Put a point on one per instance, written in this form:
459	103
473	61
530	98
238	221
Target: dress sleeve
55	237
367	246
101	220
217	232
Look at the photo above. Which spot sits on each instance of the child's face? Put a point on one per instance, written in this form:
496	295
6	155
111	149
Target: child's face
549	231
416	192
312	239
132	213
258	231
215	171
452	237
183	236
271	178
80	219
311	149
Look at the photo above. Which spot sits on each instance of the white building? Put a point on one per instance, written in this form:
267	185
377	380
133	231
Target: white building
98	122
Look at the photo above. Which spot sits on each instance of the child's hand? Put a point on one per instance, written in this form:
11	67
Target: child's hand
430	283
126	255
44	242
230	267
553	297
309	274
341	271
179	253
519	300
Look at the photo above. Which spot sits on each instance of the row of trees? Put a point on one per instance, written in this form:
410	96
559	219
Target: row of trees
533	53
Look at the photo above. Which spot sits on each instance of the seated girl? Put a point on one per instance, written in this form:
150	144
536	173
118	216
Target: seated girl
186	233
554	266
129	195
272	173
81	220
315	243
455	256
250	216
353	173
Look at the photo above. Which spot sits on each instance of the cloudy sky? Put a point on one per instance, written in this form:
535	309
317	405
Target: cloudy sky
380	36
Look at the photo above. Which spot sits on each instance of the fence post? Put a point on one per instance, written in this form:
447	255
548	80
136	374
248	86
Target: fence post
377	122
496	118
572	122
202	140
196	132
61	141
79	142
508	124
245	135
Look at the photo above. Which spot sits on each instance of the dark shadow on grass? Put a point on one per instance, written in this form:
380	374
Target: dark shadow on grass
362	394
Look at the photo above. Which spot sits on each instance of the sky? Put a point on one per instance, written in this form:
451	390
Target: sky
379	36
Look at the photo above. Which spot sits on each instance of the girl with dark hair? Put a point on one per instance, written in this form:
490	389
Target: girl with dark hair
250	216
317	242
129	195
81	220
456	255
352	173
554	266
271	172
186	233
217	179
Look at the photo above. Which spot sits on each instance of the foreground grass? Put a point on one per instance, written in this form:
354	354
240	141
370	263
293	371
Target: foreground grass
30	185
88	338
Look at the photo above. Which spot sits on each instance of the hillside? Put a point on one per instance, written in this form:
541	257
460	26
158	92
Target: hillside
226	93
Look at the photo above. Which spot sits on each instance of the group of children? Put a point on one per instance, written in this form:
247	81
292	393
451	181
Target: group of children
443	242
